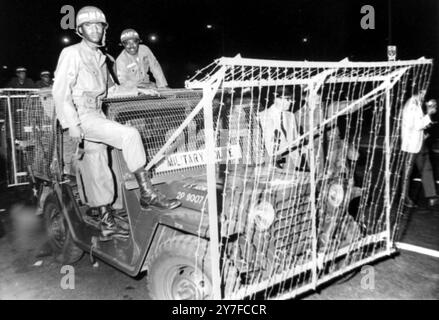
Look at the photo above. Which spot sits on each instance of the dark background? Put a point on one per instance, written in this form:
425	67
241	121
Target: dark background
31	33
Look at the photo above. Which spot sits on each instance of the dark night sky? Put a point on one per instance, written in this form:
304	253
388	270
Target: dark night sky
31	34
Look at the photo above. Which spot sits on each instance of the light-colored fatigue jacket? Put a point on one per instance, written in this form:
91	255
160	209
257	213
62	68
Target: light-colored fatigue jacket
81	81
133	70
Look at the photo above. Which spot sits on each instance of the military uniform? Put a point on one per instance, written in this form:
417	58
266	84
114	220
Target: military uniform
133	70
81	81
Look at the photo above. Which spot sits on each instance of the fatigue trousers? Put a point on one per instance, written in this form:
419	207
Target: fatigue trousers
423	164
99	133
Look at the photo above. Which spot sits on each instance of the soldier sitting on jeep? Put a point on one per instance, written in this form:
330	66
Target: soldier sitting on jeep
81	81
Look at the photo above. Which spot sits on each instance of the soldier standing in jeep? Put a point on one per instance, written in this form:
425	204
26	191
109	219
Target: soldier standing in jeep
81	81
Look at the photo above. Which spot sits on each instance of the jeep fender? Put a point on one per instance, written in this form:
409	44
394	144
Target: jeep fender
162	233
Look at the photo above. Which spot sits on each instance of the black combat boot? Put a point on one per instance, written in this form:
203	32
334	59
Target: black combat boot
151	197
109	227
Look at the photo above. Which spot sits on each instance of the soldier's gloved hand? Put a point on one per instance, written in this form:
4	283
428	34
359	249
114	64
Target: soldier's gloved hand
76	133
148	92
147	85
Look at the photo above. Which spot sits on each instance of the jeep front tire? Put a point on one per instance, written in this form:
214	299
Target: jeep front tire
60	239
180	270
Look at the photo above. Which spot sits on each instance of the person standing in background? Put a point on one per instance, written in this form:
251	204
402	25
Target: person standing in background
45	81
21	81
414	122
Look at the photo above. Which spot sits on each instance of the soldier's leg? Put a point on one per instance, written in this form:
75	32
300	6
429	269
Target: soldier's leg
129	141
96	174
98	185
117	135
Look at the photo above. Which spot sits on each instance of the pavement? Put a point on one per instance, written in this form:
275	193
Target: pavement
406	276
27	271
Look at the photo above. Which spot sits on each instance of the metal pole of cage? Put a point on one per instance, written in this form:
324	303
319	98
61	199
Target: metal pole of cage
3	152
11	132
387	202
248	62
209	92
312	169
387	170
212	205
313	97
162	152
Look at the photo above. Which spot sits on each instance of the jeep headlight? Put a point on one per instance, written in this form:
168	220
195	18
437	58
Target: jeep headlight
335	195
262	215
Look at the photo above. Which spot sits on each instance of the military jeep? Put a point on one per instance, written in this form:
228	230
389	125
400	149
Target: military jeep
263	208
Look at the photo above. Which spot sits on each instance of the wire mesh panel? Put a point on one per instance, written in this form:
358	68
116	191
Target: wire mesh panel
15	106
157	119
315	190
38	142
34	130
3	141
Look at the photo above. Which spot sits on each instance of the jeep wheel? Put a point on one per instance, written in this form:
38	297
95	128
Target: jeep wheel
180	270
60	238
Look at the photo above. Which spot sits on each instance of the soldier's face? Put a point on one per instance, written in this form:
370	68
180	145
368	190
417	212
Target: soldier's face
21	75
93	32
131	46
45	78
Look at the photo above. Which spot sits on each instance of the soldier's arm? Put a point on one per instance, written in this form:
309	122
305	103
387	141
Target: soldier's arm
65	78
122	73
156	70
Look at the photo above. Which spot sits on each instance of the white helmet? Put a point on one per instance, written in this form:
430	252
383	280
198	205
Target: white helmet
91	14
129	34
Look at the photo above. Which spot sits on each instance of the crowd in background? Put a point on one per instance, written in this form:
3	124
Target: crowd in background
22	81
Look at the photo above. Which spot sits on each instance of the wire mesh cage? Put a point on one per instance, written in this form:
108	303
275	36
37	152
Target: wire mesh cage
30	134
310	180
295	167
